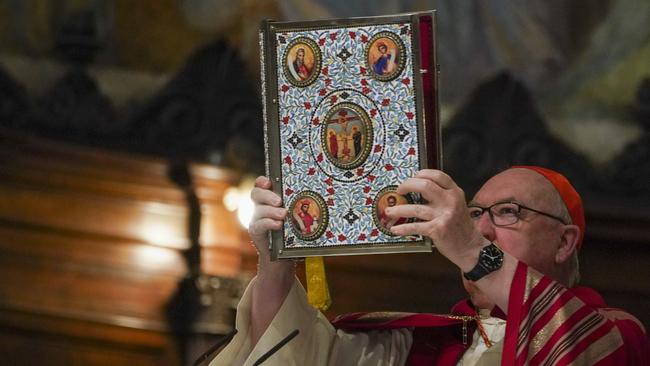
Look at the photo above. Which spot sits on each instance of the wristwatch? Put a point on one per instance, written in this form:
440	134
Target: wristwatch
489	260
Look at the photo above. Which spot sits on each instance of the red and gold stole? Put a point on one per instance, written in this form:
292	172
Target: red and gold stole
438	339
549	324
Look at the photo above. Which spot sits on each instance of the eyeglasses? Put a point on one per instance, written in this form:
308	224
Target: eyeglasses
505	213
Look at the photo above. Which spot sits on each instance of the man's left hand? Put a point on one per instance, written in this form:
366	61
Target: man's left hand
442	216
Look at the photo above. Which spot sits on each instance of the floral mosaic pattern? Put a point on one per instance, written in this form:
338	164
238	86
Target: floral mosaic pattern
344	78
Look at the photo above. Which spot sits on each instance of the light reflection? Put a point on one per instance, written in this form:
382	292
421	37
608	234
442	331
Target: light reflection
154	256
156	233
239	199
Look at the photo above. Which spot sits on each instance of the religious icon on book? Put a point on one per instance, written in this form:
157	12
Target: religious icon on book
302	62
347	135
385	56
388	197
309	215
350	108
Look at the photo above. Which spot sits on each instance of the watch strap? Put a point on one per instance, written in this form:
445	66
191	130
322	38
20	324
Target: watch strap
490	259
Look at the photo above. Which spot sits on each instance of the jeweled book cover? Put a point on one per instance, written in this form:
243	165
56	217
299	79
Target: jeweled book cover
351	110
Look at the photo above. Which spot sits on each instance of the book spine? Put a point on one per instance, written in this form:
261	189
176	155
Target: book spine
264	106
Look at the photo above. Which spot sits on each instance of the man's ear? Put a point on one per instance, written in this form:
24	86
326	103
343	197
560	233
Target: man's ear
568	243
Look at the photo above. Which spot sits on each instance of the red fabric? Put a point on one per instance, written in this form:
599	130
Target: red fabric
437	339
515	310
590	322
569	195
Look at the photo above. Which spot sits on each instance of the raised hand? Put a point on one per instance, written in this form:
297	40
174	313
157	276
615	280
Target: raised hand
274	279
443	216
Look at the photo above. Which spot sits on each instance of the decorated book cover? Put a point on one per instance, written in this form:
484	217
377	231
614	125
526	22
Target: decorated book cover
350	108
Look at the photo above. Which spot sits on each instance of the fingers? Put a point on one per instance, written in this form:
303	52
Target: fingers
439	177
263	182
428	183
259	229
421	212
268	215
413	228
265	196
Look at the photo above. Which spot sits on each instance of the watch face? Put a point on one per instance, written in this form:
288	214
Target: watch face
491	257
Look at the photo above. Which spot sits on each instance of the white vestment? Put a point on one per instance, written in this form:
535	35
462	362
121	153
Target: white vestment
320	344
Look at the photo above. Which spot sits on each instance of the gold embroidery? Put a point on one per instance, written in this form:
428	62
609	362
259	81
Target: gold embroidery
538	308
575	335
560	317
599	349
532	280
382	316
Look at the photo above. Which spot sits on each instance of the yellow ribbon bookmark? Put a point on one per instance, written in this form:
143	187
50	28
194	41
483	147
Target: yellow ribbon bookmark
318	293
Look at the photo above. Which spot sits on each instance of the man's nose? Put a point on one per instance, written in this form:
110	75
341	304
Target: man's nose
485	226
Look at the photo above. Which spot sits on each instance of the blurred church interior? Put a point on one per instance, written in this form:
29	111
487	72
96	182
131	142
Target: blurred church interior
130	132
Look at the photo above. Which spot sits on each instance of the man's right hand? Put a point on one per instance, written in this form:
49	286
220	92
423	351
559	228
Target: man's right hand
269	215
274	279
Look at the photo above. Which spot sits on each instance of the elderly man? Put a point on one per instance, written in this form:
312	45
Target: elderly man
516	245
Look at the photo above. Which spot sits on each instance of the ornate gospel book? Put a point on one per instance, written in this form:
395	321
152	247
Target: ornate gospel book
350	108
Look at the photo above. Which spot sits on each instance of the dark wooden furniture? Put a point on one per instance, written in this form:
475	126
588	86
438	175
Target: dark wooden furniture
93	246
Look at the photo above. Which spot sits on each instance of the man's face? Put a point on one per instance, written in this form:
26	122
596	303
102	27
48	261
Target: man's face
534	238
391	201
304	208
